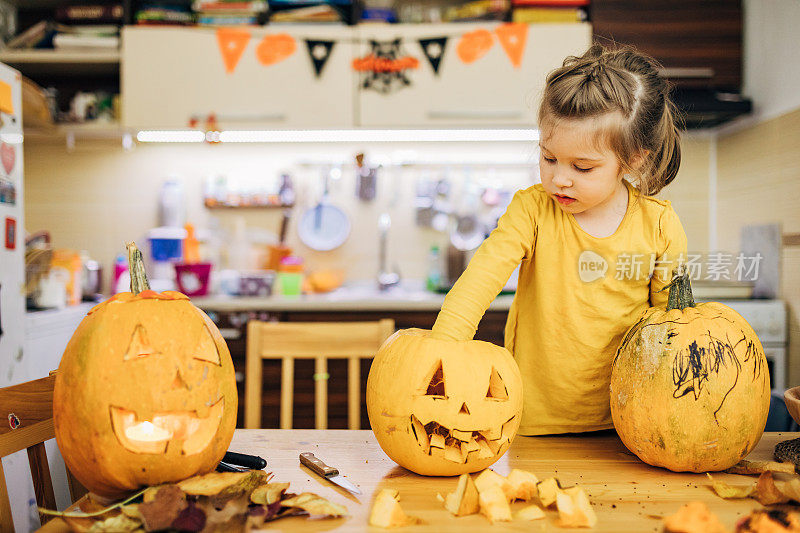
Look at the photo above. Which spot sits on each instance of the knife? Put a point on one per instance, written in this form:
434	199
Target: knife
331	474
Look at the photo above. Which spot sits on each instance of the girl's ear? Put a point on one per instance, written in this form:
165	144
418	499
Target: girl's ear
639	159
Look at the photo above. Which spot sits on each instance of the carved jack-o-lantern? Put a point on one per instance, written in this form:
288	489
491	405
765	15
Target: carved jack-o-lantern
440	407
145	392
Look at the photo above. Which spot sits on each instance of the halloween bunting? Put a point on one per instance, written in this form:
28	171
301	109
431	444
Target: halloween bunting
275	48
319	52
385	67
232	42
434	51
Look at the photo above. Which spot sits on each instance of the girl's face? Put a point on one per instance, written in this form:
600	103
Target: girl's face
577	175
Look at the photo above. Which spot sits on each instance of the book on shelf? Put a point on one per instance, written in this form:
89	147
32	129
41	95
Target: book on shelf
252	7
542	15
320	13
225	20
91	14
73	42
550	3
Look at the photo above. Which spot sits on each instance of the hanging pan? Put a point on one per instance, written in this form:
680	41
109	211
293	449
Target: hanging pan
324	226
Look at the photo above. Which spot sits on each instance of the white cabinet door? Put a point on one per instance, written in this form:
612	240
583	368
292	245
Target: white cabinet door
489	91
170	75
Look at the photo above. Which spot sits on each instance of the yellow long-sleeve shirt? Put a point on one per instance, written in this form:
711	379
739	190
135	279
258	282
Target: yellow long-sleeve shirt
577	295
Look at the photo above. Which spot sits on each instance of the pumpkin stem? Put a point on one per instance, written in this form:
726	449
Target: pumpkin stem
680	290
136	266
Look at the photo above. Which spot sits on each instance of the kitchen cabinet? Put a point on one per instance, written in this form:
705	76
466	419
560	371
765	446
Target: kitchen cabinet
172	75
699	43
233	325
487	92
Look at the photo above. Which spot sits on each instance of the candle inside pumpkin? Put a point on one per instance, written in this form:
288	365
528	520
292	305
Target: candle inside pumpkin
147	432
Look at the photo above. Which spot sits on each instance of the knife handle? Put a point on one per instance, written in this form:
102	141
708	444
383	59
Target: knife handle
308	459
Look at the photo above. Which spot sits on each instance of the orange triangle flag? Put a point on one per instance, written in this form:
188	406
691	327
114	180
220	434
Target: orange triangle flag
512	37
232	43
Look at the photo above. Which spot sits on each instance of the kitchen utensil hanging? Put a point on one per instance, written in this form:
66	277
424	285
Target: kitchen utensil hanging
324	227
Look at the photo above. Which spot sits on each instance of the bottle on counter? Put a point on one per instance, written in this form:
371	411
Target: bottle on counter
434	279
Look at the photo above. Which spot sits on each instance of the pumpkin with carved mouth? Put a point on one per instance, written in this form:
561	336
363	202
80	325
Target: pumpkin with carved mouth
441	407
145	392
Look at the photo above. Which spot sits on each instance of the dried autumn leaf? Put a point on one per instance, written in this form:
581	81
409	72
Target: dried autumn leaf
116	524
231	517
191	519
224	484
755	468
767	493
315	505
164	507
726	491
694	517
269	493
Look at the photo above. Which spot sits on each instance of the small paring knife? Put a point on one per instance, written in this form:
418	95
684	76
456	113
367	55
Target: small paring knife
331	474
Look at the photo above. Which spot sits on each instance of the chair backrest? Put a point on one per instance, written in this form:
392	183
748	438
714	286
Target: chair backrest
320	341
28	410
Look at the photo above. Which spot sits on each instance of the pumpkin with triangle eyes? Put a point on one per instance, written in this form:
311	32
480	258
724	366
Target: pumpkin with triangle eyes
145	392
441	407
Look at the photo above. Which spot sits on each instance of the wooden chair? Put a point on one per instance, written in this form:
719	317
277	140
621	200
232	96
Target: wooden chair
27	423
320	341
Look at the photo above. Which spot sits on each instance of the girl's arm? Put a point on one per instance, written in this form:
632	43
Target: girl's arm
488	271
673	252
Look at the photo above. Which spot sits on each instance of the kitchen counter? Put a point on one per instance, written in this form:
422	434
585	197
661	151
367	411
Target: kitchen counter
342	299
627	495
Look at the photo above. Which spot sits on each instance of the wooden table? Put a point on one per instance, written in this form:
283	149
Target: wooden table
627	494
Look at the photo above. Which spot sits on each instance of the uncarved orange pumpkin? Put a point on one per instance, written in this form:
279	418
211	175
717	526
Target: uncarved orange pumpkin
145	392
441	407
690	386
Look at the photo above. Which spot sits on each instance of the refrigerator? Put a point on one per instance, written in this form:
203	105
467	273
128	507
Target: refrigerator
13	367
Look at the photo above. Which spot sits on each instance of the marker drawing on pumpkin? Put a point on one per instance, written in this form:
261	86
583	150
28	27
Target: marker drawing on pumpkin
691	370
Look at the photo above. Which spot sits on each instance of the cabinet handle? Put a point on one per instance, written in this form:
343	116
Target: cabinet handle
264	117
469	114
686	72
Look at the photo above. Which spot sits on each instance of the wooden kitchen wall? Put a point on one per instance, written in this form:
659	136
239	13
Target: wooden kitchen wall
759	182
99	196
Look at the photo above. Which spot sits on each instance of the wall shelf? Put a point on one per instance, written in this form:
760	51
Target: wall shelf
60	62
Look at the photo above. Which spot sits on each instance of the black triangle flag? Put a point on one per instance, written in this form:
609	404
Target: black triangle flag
434	51
319	51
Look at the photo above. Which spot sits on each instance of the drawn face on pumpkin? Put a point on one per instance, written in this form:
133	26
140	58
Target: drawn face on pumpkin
443	407
148	382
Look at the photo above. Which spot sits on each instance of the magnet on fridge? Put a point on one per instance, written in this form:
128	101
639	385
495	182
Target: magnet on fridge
11	233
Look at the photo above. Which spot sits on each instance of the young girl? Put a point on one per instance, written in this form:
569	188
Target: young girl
593	249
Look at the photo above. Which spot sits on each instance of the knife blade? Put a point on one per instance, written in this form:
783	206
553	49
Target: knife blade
328	472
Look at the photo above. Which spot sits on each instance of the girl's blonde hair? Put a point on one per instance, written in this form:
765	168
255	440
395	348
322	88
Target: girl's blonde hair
621	88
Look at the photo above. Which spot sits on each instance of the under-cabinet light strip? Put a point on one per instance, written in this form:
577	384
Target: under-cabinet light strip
319	136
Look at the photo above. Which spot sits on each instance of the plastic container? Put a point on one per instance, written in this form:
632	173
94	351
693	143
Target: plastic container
290	276
171	209
166	244
193	278
434	279
191	246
